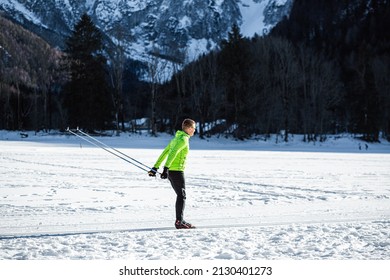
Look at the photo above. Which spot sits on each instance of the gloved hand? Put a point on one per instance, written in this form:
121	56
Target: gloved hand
164	174
152	172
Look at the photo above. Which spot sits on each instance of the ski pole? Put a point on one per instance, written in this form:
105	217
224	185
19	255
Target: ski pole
107	150
105	145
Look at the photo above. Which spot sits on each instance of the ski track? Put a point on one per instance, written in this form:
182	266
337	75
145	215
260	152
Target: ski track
338	241
70	202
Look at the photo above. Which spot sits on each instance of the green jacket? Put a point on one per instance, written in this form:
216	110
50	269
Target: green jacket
176	152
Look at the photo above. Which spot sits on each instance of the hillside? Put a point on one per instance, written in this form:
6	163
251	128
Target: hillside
27	64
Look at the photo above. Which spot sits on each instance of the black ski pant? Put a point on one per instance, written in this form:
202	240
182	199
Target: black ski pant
178	184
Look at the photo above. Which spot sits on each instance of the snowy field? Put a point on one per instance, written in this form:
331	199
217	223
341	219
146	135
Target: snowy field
61	198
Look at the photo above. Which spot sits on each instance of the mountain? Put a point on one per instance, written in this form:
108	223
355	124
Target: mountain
179	29
24	58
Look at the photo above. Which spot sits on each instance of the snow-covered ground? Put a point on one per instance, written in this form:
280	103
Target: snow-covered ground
61	198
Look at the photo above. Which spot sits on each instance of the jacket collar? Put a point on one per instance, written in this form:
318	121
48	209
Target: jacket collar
182	133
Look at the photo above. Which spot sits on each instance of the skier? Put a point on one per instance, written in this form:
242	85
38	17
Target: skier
175	154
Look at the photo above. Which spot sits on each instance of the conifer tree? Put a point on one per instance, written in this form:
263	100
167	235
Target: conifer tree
233	60
87	96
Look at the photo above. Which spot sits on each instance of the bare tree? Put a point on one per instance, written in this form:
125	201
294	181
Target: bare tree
180	80
156	75
381	70
117	55
285	81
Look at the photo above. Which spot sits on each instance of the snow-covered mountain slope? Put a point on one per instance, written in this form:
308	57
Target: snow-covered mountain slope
179	29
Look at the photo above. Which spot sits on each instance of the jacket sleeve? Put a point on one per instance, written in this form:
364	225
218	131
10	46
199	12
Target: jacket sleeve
163	156
174	150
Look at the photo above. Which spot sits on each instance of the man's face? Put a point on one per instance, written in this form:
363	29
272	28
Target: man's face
191	130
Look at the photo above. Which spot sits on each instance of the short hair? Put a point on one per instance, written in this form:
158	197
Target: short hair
187	123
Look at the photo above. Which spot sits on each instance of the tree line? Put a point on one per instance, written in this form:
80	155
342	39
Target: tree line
263	85
29	79
89	84
322	70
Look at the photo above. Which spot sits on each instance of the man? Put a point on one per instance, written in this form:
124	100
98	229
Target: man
175	154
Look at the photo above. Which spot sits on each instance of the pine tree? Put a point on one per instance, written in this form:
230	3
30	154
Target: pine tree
87	97
233	65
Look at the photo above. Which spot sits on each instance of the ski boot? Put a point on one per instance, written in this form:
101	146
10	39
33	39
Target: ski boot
183	225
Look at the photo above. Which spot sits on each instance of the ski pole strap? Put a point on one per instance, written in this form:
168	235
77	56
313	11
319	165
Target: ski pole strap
109	149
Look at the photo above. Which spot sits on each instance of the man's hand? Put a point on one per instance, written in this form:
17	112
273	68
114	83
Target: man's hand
164	175
152	172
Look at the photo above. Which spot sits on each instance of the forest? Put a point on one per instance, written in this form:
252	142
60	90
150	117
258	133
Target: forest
323	70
